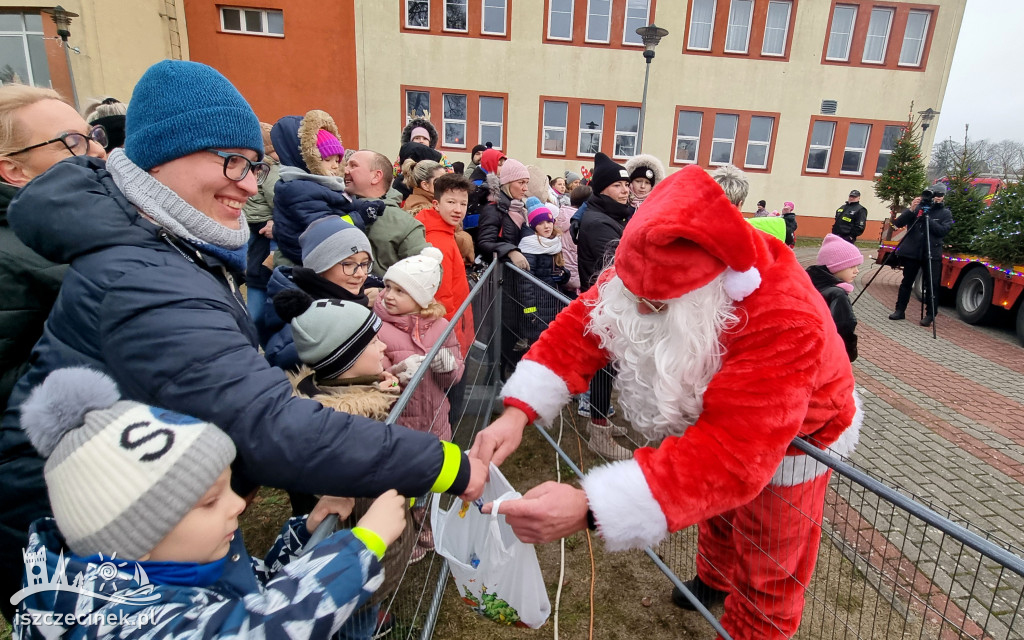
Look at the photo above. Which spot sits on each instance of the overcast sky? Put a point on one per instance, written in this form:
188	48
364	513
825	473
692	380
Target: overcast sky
986	83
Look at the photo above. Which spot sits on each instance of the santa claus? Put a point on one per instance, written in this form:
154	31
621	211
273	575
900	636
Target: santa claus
724	353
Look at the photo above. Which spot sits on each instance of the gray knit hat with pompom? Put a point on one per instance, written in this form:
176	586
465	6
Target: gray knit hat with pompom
120	474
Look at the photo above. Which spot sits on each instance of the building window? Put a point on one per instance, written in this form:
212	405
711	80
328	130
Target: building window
702	25
856	146
492	119
759	140
494	17
560	20
556	123
252	21
417	14
627	123
688	136
456	15
841	35
891	134
914	37
724	138
776	28
637	15
591	125
22	50
417	105
821	146
454	119
599	20
878	36
737	37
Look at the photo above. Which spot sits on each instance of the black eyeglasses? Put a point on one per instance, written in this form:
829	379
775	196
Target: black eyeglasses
76	143
352	268
237	166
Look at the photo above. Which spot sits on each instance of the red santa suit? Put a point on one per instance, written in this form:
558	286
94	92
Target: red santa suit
783	374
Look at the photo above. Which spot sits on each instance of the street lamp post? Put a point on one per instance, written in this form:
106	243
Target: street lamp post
62	19
651	36
926	117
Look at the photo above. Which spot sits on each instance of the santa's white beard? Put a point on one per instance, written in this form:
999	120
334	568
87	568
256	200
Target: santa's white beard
664	361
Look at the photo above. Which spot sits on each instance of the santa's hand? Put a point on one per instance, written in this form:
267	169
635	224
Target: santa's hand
406	369
443	362
498	441
546	513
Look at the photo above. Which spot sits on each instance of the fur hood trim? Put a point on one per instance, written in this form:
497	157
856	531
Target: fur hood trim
420	122
360	400
312	122
648	161
494	187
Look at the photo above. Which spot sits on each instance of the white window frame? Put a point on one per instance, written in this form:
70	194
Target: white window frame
749	26
696	138
849	36
599	131
767	144
634	134
608	31
731	141
24	33
446	120
406	19
572	15
920	46
489	123
711	31
545	127
885	39
785	32
863	151
813	147
264	21
504	17
626	32
882	151
444	19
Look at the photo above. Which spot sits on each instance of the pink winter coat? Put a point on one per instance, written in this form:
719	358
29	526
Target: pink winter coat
414	335
568	247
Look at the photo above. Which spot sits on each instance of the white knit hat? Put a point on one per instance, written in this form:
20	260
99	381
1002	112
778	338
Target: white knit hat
419	275
120	474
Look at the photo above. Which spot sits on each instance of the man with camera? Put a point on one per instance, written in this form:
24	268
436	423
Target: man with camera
851	218
929	222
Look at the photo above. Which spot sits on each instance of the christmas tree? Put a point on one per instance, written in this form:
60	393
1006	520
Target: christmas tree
904	177
965	203
1001	228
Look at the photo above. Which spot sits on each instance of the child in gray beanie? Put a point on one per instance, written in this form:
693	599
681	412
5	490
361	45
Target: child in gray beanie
145	530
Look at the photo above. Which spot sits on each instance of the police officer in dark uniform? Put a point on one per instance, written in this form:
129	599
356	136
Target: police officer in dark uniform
913	250
850	218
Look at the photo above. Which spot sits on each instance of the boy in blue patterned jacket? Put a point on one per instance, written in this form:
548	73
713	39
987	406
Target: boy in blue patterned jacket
145	543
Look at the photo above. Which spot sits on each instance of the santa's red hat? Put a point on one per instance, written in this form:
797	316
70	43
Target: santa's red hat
685	235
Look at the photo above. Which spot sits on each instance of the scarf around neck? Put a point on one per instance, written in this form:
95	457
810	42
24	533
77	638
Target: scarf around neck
167	209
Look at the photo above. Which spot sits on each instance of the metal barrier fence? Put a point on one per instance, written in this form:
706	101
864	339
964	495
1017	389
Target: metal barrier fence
888	565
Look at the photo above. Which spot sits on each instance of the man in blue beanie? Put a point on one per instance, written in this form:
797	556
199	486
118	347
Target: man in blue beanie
152	236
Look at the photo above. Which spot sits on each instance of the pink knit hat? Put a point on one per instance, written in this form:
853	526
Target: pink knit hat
328	145
419	131
513	170
838	254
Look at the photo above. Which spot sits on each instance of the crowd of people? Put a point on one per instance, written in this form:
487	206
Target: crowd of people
146	398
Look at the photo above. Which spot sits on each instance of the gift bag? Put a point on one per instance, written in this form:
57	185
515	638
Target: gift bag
494	572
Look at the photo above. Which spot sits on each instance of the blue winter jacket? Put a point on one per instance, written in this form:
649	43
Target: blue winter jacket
165	324
312	598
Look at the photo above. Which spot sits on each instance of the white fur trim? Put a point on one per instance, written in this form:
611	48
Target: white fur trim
800	468
539	387
627	515
740	284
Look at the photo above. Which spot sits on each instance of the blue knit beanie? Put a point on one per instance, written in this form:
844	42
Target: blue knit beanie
180	107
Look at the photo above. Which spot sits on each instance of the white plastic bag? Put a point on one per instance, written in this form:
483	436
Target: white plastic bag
495	573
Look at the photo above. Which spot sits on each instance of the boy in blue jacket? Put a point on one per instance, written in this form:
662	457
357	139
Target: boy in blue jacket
145	540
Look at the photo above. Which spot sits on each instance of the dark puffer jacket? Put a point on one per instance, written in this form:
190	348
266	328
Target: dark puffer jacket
28	287
497	232
540	306
601	228
168	327
939	220
839	304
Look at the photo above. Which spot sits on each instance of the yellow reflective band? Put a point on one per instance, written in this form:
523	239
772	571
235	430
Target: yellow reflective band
449	468
347	218
372	541
530	310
